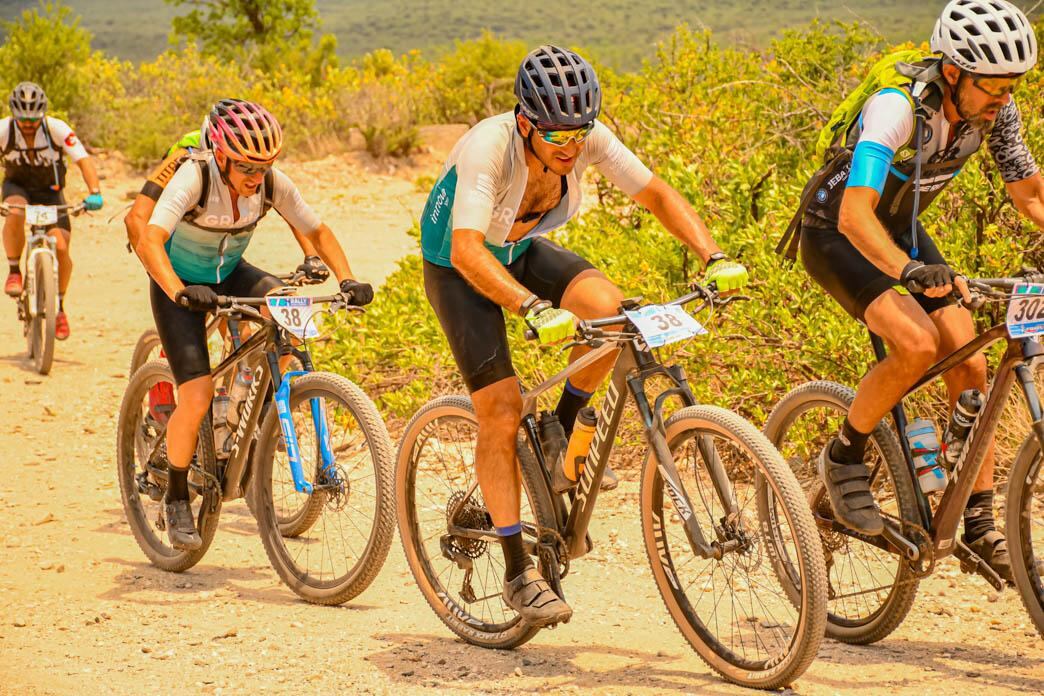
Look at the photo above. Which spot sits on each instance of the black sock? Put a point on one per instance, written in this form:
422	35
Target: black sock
516	559
177	484
978	516
13	267
850	445
569	405
61	303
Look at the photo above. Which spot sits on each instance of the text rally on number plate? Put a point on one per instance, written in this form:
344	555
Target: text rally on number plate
663	324
295	314
1026	311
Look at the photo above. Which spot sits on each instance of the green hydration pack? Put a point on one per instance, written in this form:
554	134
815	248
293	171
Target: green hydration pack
909	72
190	141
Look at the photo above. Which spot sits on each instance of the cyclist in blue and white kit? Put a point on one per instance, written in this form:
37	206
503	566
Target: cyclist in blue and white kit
508	182
857	240
193	248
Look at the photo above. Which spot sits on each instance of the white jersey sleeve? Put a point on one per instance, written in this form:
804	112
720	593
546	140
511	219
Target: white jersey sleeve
615	161
181	195
477	170
287	200
887	120
5	130
63	136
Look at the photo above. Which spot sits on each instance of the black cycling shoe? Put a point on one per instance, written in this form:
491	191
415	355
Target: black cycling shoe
181	529
531	596
609	480
992	547
848	486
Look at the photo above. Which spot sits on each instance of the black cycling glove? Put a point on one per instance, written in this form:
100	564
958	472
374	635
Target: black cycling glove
934	275
198	298
313	268
358	294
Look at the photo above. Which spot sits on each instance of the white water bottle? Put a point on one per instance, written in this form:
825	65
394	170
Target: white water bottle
238	394
219	414
924	446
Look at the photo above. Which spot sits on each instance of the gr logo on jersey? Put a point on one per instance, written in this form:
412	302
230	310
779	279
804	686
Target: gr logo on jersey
70	140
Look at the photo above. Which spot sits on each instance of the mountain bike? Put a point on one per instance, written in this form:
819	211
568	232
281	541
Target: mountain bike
873	579
322	459
149	347
711	486
38	303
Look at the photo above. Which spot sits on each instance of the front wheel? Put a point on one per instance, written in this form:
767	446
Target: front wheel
1024	519
41	330
733	609
343	528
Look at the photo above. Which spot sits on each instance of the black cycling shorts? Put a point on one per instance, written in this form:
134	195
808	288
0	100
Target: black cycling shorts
39	197
474	325
854	282
183	332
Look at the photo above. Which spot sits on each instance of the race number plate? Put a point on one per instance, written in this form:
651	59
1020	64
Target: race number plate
41	215
295	314
1026	311
663	324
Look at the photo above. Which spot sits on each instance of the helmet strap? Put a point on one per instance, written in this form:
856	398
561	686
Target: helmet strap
529	146
225	170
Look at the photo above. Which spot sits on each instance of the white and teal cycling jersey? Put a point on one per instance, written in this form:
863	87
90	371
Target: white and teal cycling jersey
485	177
206	247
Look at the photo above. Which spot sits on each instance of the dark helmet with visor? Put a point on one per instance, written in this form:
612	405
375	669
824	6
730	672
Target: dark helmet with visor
28	101
557	88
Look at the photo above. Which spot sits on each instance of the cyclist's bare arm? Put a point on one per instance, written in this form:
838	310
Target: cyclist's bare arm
153	255
329	250
678	216
306	244
858	222
1028	197
90	173
137	218
480	268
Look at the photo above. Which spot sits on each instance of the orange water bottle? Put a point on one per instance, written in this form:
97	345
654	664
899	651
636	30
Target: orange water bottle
576	453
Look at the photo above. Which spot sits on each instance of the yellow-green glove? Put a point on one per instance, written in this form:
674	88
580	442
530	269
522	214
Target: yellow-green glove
551	325
727	275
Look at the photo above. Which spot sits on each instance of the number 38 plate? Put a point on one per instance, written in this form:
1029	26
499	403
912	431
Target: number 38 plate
663	324
295	314
1026	311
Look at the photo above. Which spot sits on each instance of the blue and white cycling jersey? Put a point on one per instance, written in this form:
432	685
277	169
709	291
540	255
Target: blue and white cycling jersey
208	247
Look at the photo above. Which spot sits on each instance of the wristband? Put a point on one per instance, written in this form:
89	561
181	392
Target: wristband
911	266
527	304
715	257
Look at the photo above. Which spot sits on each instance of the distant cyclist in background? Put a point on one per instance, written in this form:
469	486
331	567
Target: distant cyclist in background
33	146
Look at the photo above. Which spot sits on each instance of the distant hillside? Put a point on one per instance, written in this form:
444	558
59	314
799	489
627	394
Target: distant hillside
620	32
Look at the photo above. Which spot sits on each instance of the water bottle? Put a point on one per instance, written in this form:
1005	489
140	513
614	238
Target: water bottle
238	394
964	413
219	415
579	445
924	446
552	441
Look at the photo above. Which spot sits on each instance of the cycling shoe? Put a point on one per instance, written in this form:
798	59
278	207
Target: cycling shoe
848	486
180	526
992	547
532	597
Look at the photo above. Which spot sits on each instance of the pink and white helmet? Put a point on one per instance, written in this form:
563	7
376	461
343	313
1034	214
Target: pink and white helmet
245	131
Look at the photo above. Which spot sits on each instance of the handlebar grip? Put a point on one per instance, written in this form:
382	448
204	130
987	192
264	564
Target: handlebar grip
224	300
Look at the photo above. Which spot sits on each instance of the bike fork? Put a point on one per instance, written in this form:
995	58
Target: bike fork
286	424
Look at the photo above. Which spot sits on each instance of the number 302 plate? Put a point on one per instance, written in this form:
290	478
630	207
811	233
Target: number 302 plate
295	314
663	324
1026	311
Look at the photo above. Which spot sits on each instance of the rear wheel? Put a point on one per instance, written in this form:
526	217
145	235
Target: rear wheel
461	577
733	609
345	526
1024	520
147	348
870	590
41	331
141	464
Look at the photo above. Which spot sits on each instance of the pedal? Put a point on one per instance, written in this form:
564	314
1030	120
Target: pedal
971	563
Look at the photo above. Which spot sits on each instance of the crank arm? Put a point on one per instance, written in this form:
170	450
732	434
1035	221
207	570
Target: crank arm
971	562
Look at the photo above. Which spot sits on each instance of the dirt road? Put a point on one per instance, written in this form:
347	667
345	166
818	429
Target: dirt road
81	611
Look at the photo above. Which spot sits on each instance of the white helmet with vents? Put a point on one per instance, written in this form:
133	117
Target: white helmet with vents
986	37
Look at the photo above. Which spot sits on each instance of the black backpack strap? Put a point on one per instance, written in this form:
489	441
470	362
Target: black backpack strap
788	244
10	138
269	184
204	187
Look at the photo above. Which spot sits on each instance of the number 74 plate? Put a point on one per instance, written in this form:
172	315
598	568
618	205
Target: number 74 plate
295	314
1026	311
663	324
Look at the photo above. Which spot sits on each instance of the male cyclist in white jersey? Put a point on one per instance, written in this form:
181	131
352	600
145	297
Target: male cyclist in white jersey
510	180
192	249
33	146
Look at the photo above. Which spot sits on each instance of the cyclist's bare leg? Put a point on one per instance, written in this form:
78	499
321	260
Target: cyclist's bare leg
62	240
14	228
591	296
193	402
956	328
498	409
913	343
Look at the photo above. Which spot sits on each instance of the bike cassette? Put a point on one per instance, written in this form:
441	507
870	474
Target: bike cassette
465	513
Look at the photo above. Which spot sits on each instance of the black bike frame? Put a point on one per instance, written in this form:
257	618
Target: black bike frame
1014	364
